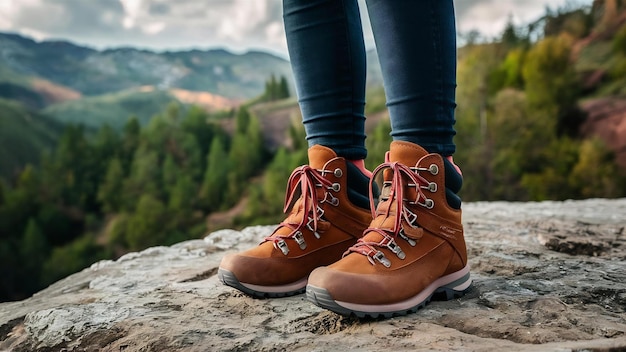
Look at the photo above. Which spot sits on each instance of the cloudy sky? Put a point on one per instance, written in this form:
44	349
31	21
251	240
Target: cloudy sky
238	25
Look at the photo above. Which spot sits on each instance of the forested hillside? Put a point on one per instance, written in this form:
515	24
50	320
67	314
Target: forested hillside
522	99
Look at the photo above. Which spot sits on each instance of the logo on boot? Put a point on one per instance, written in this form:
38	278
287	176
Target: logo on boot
449	232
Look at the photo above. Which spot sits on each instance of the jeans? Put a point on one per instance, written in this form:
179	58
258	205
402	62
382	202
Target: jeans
416	44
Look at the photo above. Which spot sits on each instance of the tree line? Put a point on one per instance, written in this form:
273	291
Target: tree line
97	197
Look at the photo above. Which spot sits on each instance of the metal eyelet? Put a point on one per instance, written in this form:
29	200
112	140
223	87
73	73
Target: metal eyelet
432	187
336	186
411	241
334	202
282	245
395	248
300	240
338	172
433	169
380	257
429	203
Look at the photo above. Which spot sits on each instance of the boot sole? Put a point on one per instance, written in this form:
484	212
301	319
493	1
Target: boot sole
451	286
258	291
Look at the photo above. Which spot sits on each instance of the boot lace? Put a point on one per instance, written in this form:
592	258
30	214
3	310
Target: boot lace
309	181
396	194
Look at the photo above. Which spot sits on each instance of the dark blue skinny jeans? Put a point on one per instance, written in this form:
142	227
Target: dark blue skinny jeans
416	44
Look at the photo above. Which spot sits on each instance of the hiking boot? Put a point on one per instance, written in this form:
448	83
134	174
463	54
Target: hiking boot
322	224
413	249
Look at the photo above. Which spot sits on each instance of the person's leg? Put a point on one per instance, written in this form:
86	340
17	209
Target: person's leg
414	247
416	43
327	54
327	199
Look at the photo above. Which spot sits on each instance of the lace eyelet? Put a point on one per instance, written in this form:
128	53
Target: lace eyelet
432	187
429	203
282	245
336	186
433	169
395	248
338	172
300	240
380	257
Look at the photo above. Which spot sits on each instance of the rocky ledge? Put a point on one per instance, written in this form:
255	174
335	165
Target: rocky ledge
548	276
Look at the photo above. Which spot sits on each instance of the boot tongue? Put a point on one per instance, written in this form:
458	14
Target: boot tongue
406	153
319	156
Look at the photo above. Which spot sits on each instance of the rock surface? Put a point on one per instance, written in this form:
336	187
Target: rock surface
548	276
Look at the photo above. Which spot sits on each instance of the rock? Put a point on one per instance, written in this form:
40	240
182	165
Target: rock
548	276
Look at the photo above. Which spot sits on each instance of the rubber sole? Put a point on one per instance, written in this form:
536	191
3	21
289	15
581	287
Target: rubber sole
446	288
256	291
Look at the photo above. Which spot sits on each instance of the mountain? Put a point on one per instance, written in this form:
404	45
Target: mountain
94	72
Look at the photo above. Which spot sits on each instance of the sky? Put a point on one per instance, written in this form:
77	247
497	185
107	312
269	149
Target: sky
237	25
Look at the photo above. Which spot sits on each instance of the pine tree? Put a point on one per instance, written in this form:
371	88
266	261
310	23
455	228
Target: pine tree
147	226
33	250
182	197
273	88
242	120
284	88
215	181
144	178
170	173
110	193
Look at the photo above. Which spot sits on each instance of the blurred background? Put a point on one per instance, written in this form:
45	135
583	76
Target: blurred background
126	124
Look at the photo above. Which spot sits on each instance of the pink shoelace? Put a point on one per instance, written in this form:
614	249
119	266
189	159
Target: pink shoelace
309	180
397	195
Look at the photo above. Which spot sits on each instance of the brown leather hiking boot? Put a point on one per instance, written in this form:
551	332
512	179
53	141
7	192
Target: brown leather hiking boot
413	249
322	225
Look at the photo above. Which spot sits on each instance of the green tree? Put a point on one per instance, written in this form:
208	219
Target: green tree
190	157
596	174
273	88
148	225
144	177
196	122
552	84
215	177
242	120
33	251
110	192
130	142
183	195
283	88
170	172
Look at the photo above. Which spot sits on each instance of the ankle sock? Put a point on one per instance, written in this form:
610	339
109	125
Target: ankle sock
358	180
360	164
454	182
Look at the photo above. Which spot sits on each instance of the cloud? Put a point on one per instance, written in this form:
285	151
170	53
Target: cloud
235	24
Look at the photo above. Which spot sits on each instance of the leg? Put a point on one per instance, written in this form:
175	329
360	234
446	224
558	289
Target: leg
414	249
327	55
416	42
327	199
